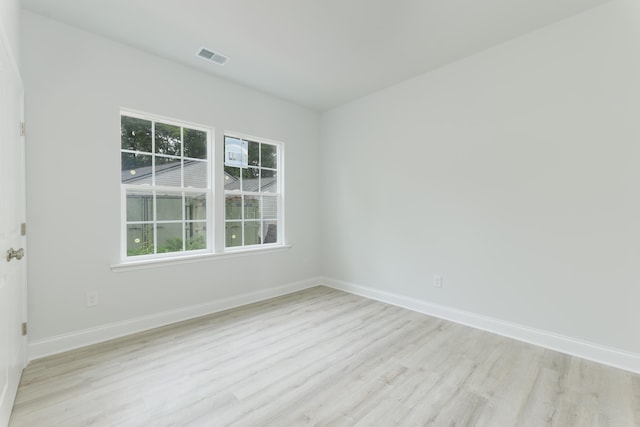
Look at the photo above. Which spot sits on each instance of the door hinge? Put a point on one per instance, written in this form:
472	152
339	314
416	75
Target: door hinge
24	329
23	129
23	229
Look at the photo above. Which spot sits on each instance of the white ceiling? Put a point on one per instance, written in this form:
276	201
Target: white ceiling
317	53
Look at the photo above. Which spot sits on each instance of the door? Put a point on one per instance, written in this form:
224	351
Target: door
12	240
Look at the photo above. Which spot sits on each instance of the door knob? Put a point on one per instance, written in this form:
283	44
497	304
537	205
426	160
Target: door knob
17	254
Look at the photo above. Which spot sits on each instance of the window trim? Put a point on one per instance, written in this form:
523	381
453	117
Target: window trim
153	189
135	264
280	194
215	199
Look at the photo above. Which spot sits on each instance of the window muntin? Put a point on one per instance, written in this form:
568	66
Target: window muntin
165	176
252	192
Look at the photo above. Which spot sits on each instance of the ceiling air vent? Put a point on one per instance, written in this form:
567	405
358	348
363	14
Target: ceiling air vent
212	56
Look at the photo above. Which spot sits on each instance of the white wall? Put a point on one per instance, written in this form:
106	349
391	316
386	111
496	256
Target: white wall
9	19
76	83
513	173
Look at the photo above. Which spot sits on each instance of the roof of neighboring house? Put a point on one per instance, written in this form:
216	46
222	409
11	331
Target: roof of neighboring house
195	175
268	184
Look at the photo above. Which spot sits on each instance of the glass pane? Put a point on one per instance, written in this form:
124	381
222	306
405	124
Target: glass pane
233	207
136	168
251	207
270	232
169	237
196	233
195	143
269	207
231	178
139	239
195	174
269	182
169	206
139	206
168	139
252	233
195	207
254	153
233	234
168	171
269	156
250	179
135	134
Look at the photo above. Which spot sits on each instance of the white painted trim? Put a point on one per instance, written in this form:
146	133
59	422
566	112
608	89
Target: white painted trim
162	261
73	340
568	345
280	191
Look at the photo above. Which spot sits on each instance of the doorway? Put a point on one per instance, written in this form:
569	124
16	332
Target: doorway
12	233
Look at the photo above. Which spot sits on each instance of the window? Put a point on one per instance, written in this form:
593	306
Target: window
166	186
167	190
252	187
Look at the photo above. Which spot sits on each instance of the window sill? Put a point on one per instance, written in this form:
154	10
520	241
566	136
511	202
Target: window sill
187	259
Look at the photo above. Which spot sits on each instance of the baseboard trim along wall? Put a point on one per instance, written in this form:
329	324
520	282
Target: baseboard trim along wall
563	344
65	342
572	346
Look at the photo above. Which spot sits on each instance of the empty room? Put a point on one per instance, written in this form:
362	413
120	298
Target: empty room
330	213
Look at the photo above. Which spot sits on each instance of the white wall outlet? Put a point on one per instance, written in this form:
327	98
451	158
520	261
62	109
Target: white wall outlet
92	299
437	281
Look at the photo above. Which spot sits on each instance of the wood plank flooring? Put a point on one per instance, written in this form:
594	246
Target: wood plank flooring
327	358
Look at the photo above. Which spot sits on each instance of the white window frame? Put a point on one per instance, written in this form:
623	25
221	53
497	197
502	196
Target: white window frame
279	196
153	189
215	203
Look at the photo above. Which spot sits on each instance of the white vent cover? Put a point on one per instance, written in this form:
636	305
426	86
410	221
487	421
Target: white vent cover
212	56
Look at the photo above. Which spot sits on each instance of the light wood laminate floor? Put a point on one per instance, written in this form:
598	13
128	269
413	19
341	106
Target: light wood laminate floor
322	357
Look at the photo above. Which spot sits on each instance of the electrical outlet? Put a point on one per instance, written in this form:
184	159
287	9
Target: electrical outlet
437	281
92	299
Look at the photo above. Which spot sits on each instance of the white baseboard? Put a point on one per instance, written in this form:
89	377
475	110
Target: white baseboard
61	343
572	346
